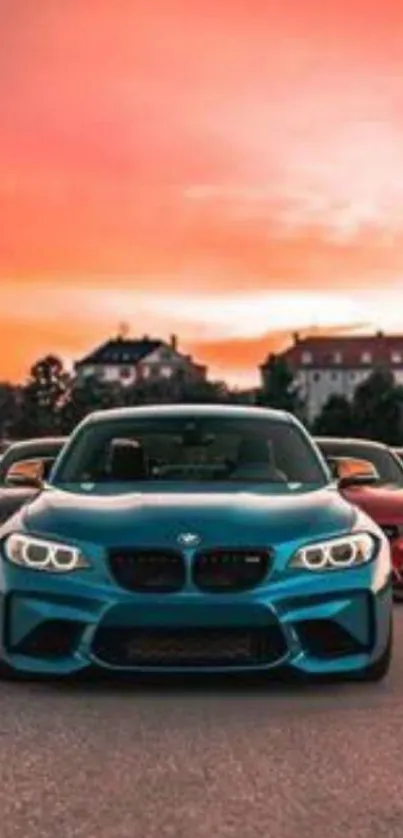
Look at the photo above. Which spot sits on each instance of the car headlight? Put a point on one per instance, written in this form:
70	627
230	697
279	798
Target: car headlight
337	553
40	554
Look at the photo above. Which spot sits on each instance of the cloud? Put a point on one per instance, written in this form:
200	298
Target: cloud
249	315
295	130
211	316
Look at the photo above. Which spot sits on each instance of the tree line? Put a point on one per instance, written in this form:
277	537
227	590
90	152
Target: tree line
374	412
52	401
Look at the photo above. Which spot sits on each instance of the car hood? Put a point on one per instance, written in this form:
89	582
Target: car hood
237	517
11	499
383	503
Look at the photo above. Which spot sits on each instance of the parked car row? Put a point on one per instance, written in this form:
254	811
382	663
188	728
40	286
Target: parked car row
199	538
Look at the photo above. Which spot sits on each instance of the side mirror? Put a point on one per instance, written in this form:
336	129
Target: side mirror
23	481
351	471
29	473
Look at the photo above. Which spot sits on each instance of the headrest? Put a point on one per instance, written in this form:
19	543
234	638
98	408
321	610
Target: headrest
127	461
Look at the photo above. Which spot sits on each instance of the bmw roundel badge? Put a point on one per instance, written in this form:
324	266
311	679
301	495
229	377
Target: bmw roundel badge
189	539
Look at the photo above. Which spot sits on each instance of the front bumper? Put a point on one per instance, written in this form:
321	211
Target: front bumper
336	622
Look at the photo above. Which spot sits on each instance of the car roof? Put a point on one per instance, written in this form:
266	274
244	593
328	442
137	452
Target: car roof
342	442
43	443
191	410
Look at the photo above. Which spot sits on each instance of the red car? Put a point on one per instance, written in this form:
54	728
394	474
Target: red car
380	494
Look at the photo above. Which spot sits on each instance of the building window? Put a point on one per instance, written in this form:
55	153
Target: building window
316	376
166	372
146	372
338	357
366	358
396	358
335	376
306	358
126	372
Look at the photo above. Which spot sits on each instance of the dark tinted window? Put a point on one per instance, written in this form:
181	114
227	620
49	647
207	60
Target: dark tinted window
386	463
182	449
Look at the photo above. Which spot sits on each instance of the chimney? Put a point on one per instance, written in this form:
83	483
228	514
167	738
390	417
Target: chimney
124	331
379	334
174	343
296	337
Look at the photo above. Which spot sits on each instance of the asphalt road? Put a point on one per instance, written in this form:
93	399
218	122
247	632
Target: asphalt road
111	760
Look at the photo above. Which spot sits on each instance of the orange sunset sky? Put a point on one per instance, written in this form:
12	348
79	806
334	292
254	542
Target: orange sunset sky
230	171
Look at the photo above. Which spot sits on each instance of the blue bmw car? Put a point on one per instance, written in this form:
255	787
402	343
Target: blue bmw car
193	539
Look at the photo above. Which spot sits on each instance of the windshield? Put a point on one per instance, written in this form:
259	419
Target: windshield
156	450
386	463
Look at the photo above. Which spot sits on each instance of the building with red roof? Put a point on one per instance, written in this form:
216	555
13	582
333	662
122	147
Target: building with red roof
324	366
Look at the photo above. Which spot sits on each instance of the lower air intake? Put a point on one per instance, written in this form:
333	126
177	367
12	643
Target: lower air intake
325	638
187	647
51	639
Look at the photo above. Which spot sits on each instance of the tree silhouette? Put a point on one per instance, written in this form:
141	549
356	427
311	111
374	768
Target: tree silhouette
375	411
336	418
377	408
279	389
42	398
